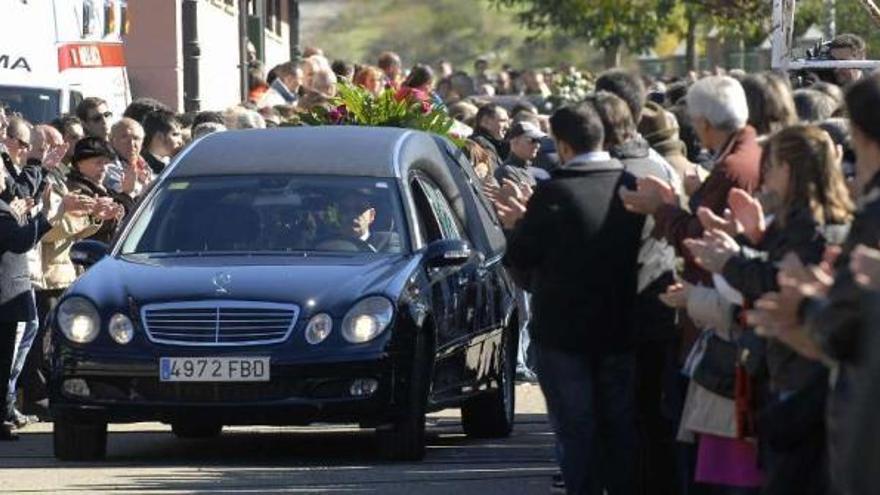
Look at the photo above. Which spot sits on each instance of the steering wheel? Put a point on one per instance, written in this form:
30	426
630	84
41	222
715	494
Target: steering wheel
344	244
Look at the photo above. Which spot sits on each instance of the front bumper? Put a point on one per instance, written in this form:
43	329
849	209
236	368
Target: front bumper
298	393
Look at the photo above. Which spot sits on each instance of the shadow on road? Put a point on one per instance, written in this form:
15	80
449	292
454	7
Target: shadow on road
300	460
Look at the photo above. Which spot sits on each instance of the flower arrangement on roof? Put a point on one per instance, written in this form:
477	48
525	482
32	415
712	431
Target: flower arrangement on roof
406	108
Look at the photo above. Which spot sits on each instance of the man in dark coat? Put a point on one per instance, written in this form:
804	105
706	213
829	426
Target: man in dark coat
22	175
578	248
491	124
18	235
524	140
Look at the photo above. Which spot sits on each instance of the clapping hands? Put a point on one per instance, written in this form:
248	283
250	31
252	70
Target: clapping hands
744	217
107	209
510	200
651	193
712	251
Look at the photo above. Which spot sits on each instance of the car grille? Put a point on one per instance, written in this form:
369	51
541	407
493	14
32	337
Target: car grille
219	323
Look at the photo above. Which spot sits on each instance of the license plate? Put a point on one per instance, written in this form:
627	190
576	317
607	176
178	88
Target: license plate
214	369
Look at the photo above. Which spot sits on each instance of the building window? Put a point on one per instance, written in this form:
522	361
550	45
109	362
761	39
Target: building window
273	16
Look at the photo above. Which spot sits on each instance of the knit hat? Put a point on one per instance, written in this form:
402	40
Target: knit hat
657	124
91	147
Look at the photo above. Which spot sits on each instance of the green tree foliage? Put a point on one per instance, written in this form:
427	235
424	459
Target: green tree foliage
851	18
609	24
429	30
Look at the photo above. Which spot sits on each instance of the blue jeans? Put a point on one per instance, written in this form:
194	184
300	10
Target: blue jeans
28	336
591	401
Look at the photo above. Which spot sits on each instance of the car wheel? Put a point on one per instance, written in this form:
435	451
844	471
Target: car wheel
76	441
492	415
193	429
404	439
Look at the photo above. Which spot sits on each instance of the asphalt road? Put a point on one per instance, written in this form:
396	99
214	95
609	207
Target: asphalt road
147	458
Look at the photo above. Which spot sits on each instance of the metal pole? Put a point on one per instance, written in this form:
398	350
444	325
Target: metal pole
191	55
242	48
830	19
294	20
783	26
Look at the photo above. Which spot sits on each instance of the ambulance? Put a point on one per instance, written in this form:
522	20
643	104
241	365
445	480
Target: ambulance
54	53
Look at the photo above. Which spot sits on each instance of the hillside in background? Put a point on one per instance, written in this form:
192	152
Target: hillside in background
429	30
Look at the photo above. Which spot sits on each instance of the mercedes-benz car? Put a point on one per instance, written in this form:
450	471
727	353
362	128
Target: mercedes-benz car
292	276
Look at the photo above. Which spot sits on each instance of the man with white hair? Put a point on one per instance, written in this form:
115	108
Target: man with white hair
718	110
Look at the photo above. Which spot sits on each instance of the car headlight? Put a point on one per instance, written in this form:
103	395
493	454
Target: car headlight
78	320
319	328
367	319
121	328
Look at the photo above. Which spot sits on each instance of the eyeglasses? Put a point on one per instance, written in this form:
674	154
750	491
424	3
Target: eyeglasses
100	116
22	143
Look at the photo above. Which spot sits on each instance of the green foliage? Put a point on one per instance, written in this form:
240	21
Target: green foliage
354	105
610	24
851	18
429	30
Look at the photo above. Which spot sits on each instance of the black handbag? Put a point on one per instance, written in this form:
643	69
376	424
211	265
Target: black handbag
716	371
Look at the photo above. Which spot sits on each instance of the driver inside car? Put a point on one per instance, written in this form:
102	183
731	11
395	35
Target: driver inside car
356	217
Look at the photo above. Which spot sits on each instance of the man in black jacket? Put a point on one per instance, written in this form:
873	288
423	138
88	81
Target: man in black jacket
578	248
18	235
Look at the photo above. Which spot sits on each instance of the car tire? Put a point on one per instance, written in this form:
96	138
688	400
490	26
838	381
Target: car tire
193	429
404	438
492	415
78	441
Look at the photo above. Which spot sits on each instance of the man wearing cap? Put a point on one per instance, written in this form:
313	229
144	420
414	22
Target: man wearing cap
524	139
660	128
91	157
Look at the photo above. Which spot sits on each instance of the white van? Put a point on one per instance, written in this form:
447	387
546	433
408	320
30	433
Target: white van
54	53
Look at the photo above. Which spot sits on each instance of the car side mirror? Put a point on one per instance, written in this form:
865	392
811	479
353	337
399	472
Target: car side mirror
447	252
87	253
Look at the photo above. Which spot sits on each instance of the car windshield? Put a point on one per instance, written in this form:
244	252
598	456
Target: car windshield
269	214
34	104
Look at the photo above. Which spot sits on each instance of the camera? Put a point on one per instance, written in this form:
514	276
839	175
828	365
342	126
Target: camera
807	77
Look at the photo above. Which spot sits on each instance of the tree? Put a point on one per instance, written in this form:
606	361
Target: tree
609	24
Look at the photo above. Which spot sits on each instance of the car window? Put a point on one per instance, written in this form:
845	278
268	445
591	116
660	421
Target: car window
449	225
274	213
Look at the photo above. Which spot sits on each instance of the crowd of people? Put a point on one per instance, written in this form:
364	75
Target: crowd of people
698	257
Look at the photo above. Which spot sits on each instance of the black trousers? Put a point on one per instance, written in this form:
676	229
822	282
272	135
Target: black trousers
656	426
32	382
7	352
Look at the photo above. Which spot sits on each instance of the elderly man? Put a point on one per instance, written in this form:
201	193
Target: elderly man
718	110
129	174
284	89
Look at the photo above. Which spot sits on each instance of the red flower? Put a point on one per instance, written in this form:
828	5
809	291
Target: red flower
415	95
338	114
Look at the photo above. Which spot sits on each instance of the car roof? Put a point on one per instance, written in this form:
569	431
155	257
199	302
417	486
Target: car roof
324	150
